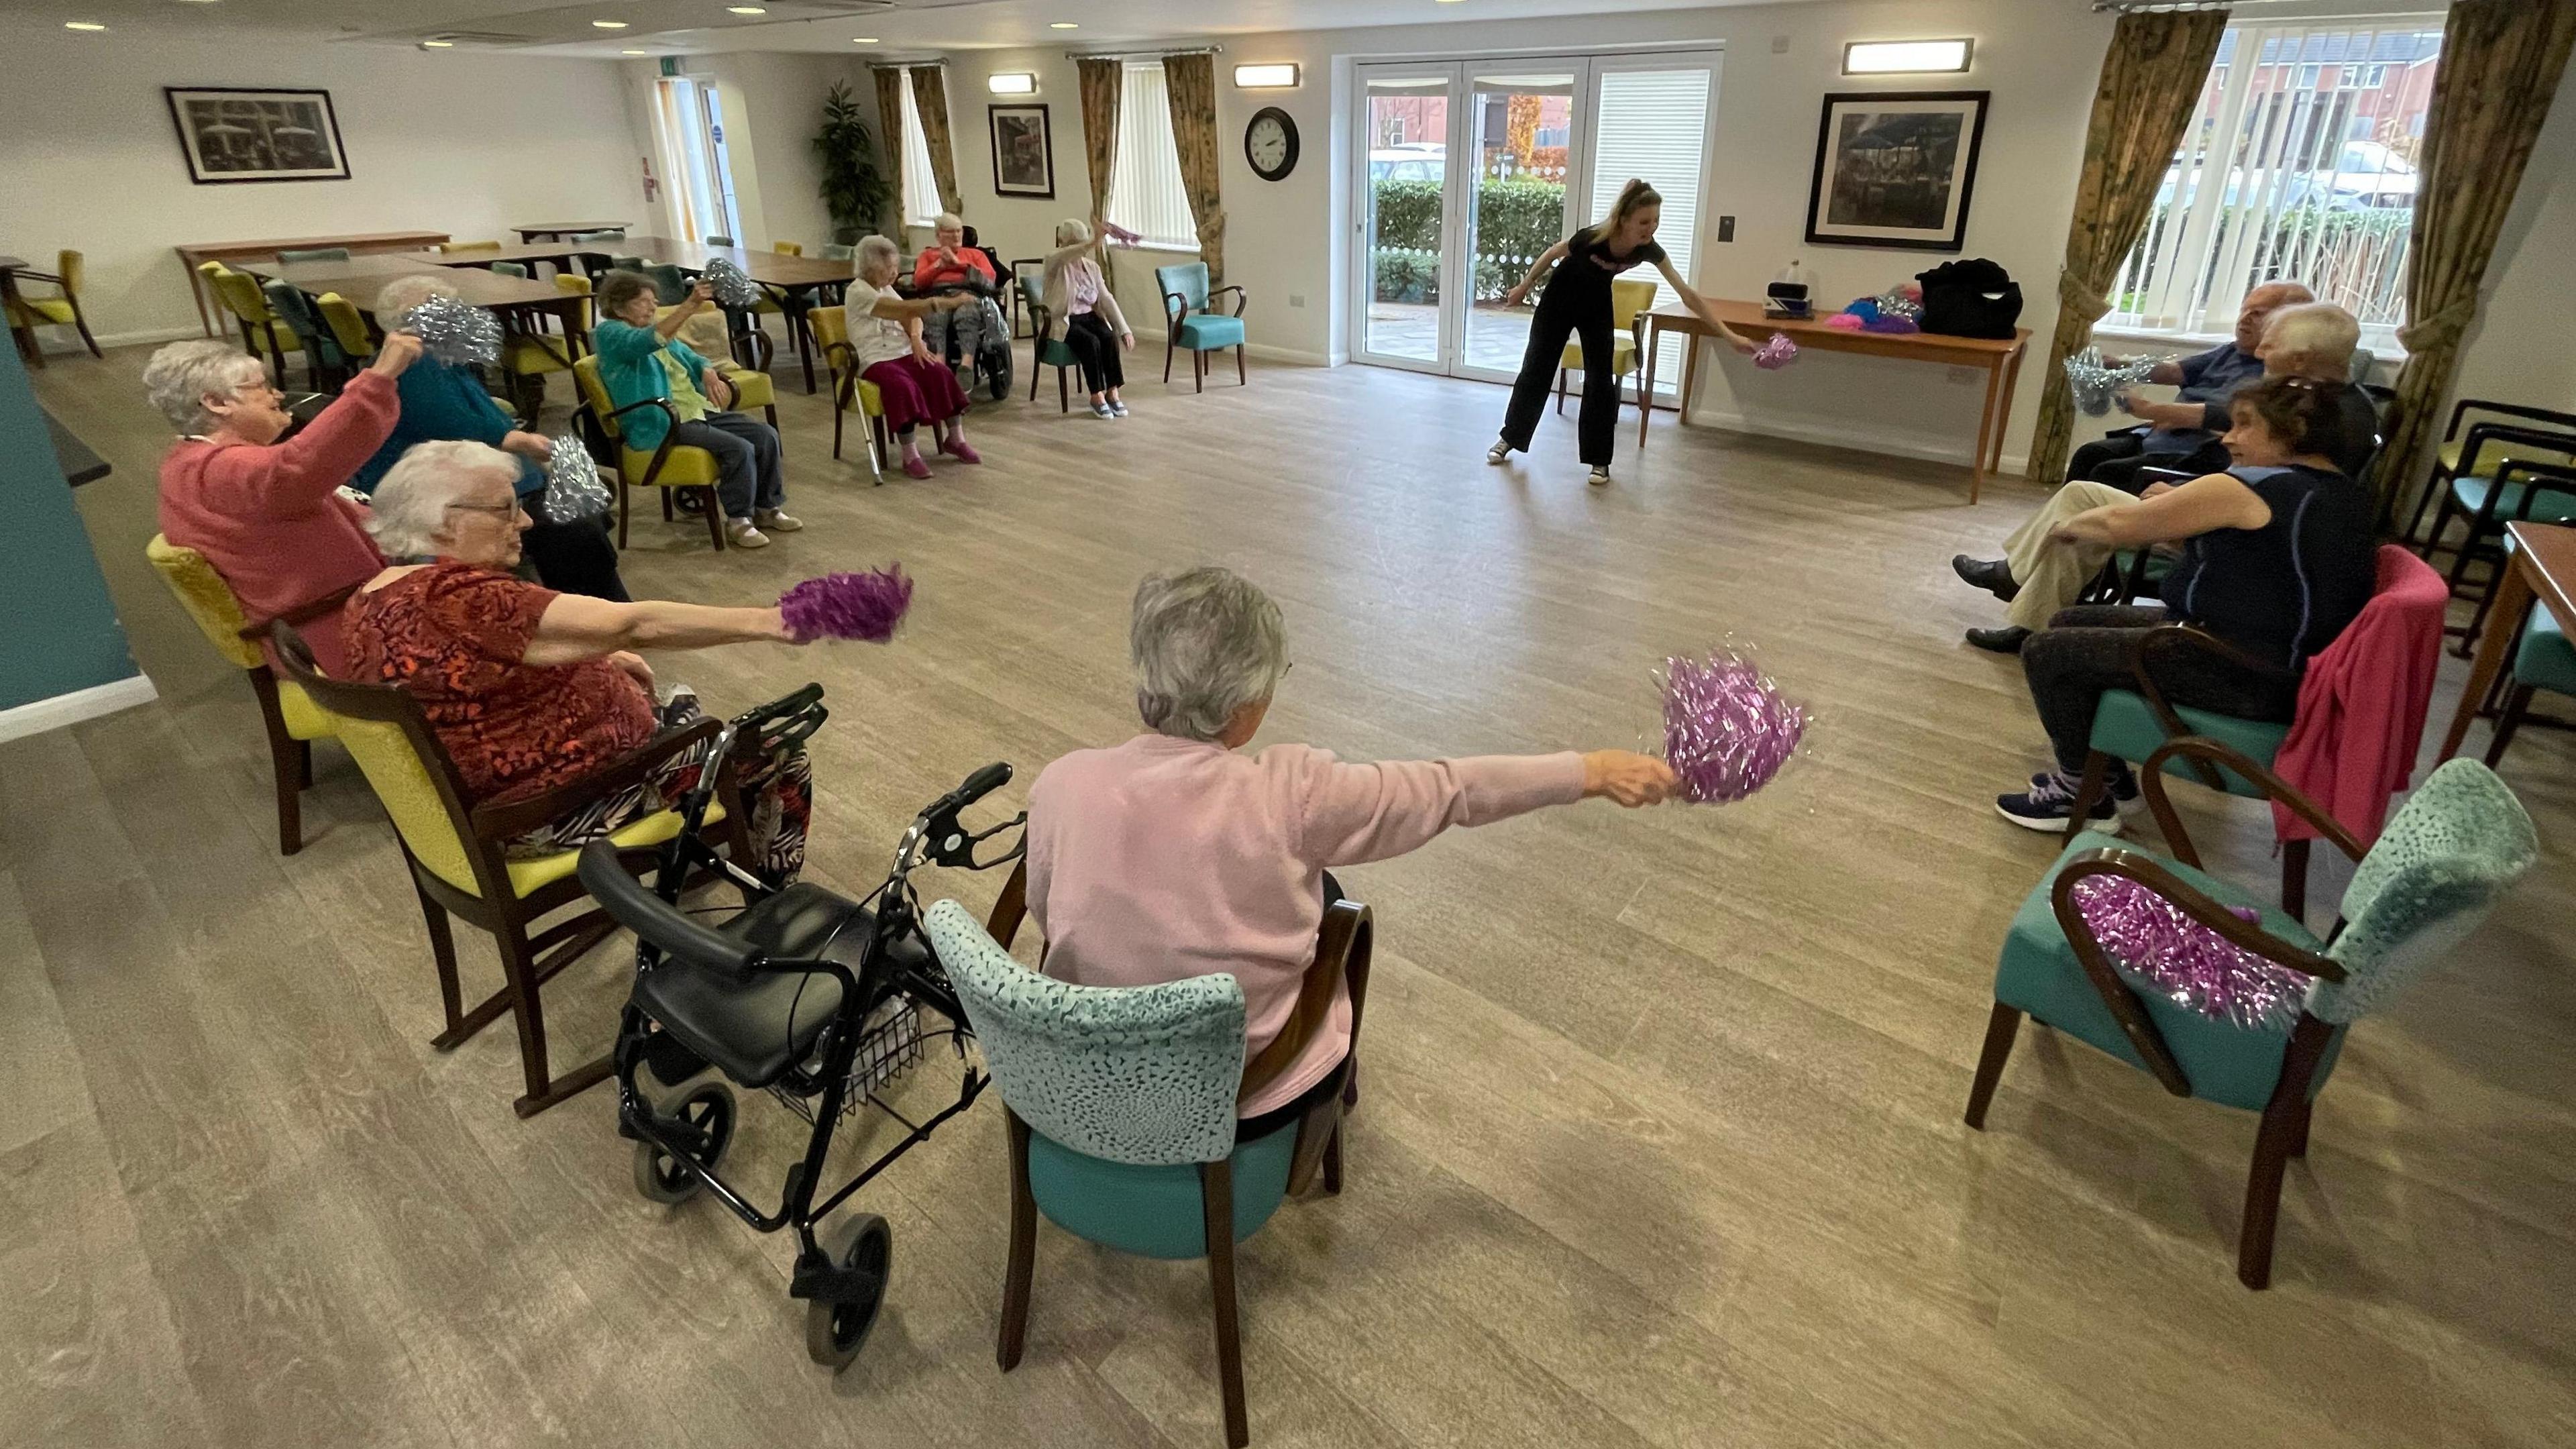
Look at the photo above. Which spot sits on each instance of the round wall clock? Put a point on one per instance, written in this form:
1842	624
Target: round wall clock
1270	143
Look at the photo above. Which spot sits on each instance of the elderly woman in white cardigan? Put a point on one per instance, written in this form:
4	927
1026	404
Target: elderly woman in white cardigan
1093	326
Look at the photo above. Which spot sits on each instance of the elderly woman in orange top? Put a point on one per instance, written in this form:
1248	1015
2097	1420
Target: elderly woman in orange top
267	514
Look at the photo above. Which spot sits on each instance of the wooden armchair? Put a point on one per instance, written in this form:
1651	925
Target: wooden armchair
1192	321
459	865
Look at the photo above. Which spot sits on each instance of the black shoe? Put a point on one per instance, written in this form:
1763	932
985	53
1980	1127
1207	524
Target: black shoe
1990	574
2050	803
2006	640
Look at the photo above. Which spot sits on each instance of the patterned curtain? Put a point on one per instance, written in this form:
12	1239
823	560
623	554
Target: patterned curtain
2500	66
1101	79
2151	81
1191	84
890	137
930	97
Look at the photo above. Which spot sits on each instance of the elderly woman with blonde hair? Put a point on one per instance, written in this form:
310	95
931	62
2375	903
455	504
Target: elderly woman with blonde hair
1094	328
528	688
445	401
1176	854
268	514
915	386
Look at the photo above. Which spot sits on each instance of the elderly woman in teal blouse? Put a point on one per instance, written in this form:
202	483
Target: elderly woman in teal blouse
445	402
641	356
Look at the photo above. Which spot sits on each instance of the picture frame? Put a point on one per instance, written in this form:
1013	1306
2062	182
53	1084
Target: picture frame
232	134
1023	150
1896	168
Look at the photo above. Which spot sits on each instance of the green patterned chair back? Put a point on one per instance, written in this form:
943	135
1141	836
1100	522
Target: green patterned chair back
670	284
292	256
298	315
2453	850
1189	279
510	269
1144	1075
839	252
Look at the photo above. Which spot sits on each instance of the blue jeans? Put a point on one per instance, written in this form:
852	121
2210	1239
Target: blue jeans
747	470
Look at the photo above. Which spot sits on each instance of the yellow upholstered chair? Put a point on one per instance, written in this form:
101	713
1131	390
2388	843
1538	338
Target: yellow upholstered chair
293	721
460	865
62	310
262	329
454	247
579	285
788	249
672	465
705	334
348	326
1627	300
850	392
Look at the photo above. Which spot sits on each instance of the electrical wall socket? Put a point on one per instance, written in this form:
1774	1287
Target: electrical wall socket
1296	299
1726	228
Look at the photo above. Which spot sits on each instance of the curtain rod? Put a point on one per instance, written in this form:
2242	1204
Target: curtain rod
2127	7
1142	54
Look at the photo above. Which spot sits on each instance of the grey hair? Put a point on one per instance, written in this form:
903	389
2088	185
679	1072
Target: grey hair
1205	643
876	251
408	510
1073	231
948	221
2318	336
180	376
406	292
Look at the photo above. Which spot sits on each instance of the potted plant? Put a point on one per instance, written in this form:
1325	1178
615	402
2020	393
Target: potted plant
854	190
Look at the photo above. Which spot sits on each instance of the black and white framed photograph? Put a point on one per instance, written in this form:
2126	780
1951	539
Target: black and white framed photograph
1023	151
1895	169
235	134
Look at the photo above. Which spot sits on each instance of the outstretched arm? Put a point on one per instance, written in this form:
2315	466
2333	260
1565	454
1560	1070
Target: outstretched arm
576	627
1538	271
1700	308
1355	813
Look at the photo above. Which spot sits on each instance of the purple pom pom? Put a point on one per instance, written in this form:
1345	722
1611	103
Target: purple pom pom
2155	946
1727	731
1777	353
848	606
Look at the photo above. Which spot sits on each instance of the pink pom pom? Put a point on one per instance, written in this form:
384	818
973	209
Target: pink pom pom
2155	946
848	606
1727	731
1843	322
1777	353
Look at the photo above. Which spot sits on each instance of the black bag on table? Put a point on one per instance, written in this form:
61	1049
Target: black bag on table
1973	298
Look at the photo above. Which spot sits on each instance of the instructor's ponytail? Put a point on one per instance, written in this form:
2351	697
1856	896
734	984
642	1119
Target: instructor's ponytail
1631	196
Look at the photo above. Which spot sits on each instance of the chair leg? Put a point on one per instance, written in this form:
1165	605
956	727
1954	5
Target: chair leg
2515	705
527	1008
1168	347
1064	392
1198	372
2001	1028
2097	778
2294	879
1024	1250
771	412
304	764
624	505
1333	1162
836	432
80	320
291	761
715	519
1216	1198
1241	377
442	951
2263	1192
1560	392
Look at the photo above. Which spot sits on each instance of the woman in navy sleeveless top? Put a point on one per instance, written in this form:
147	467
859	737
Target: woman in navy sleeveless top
2277	557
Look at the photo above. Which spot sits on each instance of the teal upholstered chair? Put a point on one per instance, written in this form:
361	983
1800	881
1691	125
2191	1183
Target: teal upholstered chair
323	359
509	269
1190	324
2438	869
1122	1111
2522	490
1049	350
291	256
2544	660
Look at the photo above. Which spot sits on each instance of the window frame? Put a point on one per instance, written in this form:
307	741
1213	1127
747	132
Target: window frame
1123	183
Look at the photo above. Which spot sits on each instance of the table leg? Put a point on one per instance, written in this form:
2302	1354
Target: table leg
197	290
2504	621
2003	409
1985	429
1690	377
1646	387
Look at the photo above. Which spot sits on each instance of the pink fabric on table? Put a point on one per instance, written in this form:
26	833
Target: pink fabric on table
914	391
2362	704
270	519
1167	858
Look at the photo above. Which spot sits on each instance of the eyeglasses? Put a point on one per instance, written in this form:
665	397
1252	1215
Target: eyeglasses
503	511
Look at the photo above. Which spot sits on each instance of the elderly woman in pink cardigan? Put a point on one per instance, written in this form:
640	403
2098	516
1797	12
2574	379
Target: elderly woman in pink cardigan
1177	855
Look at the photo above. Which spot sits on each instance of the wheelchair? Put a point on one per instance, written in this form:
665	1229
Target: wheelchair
991	365
816	999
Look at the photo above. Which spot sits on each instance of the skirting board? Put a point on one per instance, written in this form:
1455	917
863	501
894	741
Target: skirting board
1862	440
1250	349
72	708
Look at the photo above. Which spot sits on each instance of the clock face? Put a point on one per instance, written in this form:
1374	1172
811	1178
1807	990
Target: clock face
1270	144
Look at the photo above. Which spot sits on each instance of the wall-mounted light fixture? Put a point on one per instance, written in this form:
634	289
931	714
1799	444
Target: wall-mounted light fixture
1265	77
1012	83
1905	57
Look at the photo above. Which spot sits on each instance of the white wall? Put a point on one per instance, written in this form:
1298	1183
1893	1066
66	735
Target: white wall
773	105
2523	348
451	141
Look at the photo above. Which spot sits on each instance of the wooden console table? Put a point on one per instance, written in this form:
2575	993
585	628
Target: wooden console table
196	254
1999	360
2542	568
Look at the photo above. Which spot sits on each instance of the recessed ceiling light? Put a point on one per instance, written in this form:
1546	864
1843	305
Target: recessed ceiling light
1063	25
609	24
82	25
438	45
748	9
634	52
863	40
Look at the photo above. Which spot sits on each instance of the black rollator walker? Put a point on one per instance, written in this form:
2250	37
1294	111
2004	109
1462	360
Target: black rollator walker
806	994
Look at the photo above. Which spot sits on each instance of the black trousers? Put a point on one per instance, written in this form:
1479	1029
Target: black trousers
2085	651
2119	460
1600	419
1095	348
574	558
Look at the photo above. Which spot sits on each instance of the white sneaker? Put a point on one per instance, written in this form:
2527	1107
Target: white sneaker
1101	410
1117	409
1498	452
1600	478
739	533
777	520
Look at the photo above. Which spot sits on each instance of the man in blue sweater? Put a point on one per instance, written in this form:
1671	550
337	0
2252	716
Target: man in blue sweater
2175	432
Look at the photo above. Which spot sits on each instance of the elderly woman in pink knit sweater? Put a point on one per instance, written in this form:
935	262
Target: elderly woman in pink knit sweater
1176	855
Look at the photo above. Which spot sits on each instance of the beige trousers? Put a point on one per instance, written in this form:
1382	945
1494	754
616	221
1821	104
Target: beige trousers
2050	573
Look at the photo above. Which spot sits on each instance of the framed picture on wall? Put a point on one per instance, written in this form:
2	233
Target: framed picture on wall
1895	169
234	134
1023	151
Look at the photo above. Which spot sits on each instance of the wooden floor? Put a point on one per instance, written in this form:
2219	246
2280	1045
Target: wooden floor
1661	1144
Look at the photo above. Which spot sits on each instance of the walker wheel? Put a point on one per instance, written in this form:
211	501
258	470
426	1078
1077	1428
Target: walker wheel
861	1248
707	1112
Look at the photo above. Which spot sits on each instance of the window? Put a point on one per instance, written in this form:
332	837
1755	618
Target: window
2298	166
690	117
1145	193
1653	124
920	187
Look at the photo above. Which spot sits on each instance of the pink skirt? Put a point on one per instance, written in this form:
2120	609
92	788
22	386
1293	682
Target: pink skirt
915	391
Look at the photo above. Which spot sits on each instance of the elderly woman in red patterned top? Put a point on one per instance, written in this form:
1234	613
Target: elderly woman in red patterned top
529	688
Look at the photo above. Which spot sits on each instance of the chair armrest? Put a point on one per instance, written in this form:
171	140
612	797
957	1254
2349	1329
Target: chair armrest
1175	306
499	822
306	613
2167	475
1340	944
2287	795
2164	638
1012	908
1240	298
2482	433
651	402
2467	405
27	275
2123	1003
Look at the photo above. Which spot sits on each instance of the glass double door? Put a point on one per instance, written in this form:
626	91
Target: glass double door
1475	168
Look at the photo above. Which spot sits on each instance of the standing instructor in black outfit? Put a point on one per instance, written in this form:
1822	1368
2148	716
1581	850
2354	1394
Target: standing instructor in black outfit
1577	300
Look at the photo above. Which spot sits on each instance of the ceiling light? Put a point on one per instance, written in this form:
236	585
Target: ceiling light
634	52
82	25
1063	25
1265	77
1905	57
1012	83
863	40
609	24
747	9
438	45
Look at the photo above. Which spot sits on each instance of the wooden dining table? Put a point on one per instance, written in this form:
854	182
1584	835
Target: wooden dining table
2542	572
558	230
192	254
561	254
518	301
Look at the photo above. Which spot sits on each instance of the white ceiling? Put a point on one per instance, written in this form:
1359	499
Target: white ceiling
696	26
